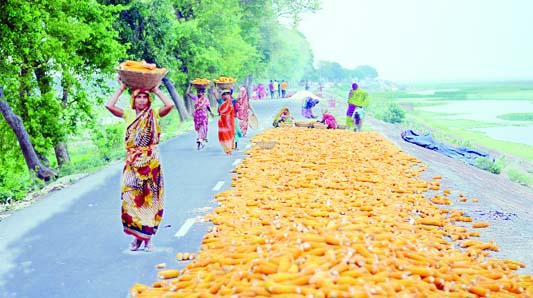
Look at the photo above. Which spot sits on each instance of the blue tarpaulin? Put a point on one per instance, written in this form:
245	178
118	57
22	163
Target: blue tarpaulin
462	153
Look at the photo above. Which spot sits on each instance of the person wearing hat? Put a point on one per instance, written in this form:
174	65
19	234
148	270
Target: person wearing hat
201	123
228	123
142	176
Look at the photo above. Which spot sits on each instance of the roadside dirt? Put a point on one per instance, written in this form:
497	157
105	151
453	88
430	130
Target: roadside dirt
460	175
506	205
8	209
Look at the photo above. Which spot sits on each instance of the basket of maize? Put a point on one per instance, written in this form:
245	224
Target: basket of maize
200	83
140	74
303	124
285	124
225	82
320	126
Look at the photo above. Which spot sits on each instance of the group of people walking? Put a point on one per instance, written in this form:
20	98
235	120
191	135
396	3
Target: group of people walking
142	176
276	89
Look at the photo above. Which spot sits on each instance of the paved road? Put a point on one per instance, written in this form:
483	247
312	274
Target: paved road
71	244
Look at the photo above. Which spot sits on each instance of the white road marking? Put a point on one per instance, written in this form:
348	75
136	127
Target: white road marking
218	186
185	227
236	162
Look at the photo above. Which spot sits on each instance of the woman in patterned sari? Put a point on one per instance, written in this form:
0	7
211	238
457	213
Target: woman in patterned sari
201	123
226	123
244	109
142	178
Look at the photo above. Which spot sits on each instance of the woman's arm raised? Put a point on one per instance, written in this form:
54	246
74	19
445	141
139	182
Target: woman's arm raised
111	102
169	105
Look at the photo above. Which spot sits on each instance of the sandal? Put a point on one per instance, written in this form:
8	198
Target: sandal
135	244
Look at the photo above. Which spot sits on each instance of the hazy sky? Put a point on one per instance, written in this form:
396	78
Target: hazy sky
426	39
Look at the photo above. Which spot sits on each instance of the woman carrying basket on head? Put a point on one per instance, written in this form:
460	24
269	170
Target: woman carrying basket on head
227	123
201	107
142	177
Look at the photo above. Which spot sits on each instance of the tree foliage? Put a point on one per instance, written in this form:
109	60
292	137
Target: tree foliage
58	57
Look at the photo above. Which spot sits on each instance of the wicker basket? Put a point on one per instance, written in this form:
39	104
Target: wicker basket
303	124
200	86
266	144
253	122
141	79
320	126
225	85
285	124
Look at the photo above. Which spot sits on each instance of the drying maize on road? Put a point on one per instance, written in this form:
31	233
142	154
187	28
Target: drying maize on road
332	213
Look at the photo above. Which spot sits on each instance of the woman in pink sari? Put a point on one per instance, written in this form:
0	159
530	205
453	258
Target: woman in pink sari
244	107
328	119
201	123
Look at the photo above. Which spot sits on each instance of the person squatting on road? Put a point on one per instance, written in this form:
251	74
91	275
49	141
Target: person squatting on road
283	116
308	104
142	177
329	119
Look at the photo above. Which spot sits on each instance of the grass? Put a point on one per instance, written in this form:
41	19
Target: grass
461	132
93	149
520	177
517	116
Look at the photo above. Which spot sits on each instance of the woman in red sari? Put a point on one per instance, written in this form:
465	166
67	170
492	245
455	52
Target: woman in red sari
226	122
142	177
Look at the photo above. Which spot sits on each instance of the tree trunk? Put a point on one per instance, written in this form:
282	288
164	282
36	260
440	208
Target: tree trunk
248	85
60	148
62	155
212	100
32	161
188	104
176	98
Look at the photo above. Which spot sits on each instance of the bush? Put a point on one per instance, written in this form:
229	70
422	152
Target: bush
393	113
108	139
14	186
519	177
488	164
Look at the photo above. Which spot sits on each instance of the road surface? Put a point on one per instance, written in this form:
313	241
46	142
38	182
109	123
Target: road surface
71	244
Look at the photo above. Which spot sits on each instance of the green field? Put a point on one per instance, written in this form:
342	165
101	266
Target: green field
429	108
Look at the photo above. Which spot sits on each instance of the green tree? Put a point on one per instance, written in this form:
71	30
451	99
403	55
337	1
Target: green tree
55	54
331	71
363	72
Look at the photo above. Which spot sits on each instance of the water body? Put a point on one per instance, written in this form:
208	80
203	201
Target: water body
516	134
488	111
432	91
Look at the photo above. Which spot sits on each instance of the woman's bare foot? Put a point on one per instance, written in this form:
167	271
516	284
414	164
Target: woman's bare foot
147	245
135	244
